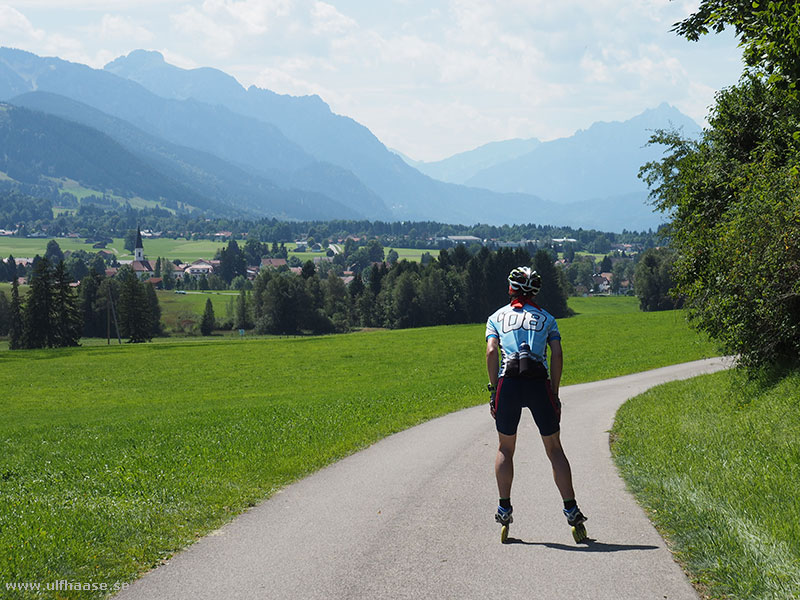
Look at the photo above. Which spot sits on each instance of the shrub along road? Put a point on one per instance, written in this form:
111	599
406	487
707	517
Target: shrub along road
412	517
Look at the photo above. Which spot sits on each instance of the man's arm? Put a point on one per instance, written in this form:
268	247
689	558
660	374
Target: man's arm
492	359
556	365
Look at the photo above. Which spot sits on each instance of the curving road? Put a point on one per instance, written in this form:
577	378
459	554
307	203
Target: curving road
412	517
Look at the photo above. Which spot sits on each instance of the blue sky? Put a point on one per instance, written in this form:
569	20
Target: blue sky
430	78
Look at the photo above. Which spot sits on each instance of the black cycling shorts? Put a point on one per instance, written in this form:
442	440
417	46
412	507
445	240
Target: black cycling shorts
536	394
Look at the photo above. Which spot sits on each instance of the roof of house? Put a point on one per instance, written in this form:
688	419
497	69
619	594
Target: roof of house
142	266
273	262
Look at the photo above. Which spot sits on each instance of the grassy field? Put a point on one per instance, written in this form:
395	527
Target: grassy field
412	254
180	249
174	307
30	247
178	307
716	462
115	457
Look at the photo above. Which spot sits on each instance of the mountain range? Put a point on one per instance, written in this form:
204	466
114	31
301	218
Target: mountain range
200	138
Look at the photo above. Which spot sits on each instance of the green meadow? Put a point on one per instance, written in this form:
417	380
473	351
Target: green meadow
178	249
117	456
181	249
190	306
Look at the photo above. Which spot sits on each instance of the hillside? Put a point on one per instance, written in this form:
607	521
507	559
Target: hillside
38	146
339	140
253	145
203	173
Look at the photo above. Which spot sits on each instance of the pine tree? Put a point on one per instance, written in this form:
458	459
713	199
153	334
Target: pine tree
240	320
38	314
135	321
208	321
11	268
15	330
5	313
67	322
92	306
155	309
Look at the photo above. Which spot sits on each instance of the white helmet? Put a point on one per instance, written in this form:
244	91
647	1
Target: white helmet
525	280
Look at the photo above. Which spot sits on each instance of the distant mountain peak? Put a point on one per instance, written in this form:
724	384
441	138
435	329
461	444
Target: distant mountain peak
139	58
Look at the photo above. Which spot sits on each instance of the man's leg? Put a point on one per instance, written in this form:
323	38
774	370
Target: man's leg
562	474
504	464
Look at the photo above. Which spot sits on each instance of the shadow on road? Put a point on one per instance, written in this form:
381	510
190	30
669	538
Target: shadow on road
588	545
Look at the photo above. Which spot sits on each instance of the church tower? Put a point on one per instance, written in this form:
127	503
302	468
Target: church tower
138	251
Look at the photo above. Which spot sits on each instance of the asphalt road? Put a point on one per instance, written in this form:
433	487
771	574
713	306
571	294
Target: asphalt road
413	517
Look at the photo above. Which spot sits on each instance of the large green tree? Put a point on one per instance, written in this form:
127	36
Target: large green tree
133	308
93	307
653	280
16	327
67	321
768	32
734	195
5	314
208	322
553	296
37	317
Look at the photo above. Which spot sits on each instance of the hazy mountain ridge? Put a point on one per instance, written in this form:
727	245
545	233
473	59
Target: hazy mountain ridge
256	146
37	147
332	138
290	156
601	161
203	173
461	167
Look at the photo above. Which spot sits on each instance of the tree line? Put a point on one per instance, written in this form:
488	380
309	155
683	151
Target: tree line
98	218
456	287
53	314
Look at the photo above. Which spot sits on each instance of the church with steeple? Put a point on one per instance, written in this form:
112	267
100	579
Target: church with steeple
140	265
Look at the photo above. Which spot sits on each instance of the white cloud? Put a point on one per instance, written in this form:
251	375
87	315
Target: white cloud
327	20
254	16
16	26
429	77
596	70
114	27
89	5
192	22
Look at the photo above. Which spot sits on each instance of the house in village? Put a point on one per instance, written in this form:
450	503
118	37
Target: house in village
273	263
198	268
601	283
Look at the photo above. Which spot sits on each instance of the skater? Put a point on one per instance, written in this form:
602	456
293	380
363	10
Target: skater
521	331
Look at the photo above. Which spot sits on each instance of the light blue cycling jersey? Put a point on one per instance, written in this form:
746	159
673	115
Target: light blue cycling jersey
523	333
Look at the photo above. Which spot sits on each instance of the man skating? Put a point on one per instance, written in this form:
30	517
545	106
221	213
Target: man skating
521	331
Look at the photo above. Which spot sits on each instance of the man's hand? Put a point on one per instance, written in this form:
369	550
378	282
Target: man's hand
492	407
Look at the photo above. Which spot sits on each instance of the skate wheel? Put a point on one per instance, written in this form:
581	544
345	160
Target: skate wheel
579	533
504	534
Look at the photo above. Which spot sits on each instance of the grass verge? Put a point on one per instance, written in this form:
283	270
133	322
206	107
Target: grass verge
716	463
